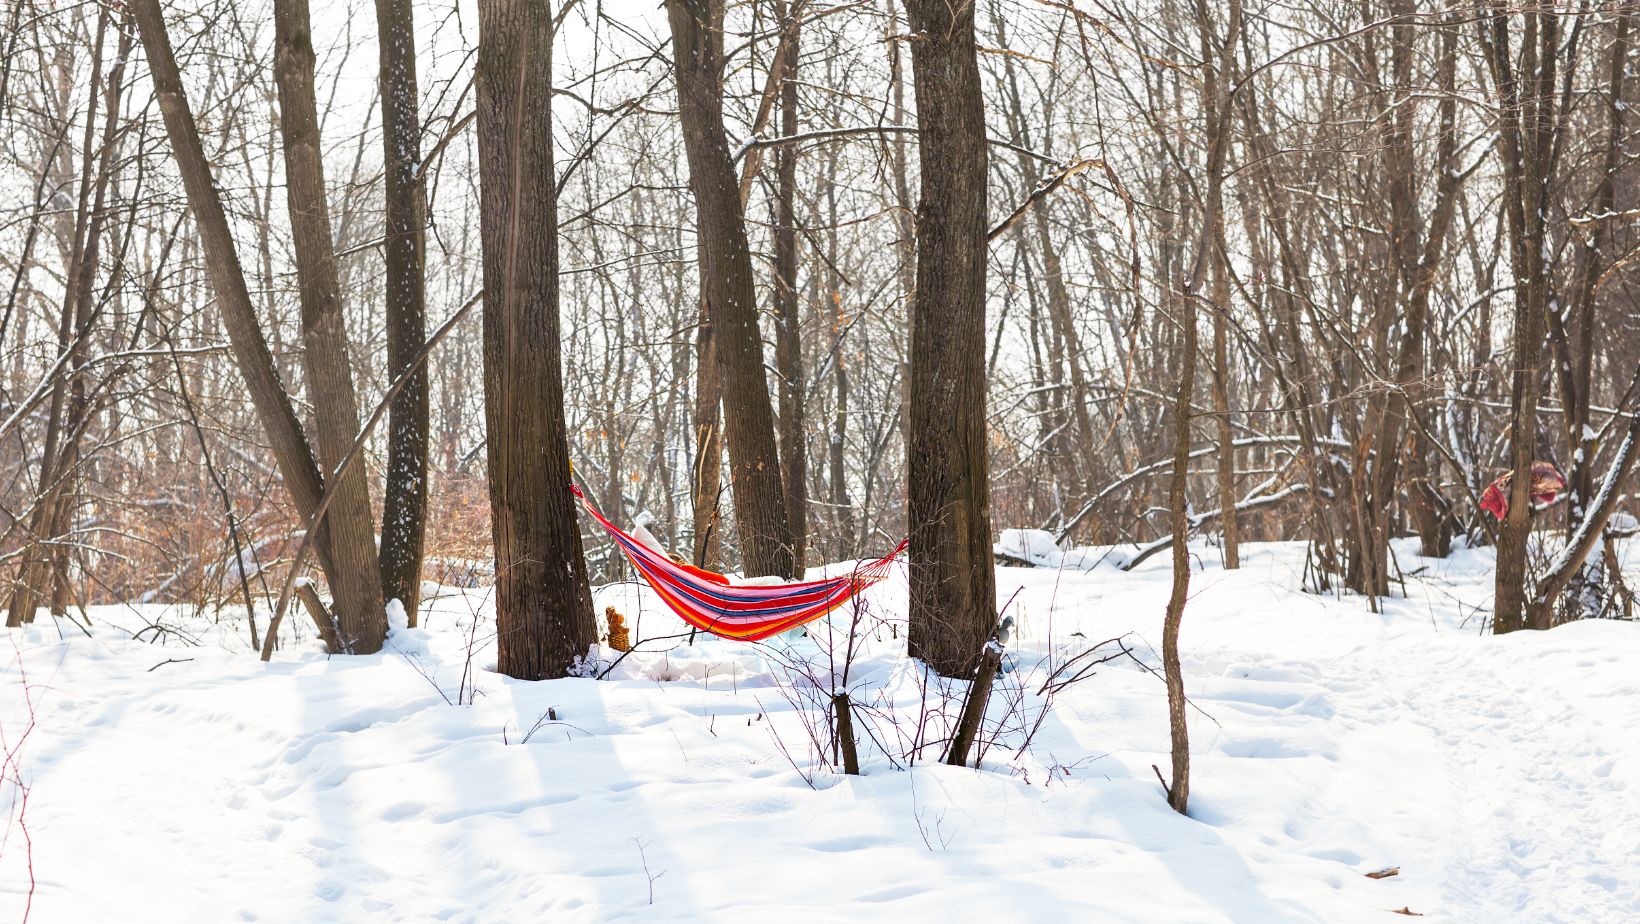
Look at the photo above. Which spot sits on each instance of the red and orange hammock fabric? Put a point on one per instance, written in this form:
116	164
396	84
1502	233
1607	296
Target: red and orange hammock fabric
1547	484
707	601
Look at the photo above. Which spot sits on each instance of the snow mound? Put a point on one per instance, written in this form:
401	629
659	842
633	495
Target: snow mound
695	782
1037	548
1034	546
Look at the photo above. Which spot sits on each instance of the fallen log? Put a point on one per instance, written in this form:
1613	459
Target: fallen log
1202	519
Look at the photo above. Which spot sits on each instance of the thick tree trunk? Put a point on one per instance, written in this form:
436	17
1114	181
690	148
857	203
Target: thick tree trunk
404	499
544	619
1530	304
726	284
788	344
953	584
356	585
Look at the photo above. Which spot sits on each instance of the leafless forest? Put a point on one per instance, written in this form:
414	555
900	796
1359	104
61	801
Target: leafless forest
344	292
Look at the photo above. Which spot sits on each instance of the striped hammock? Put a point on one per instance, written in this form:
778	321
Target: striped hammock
708	601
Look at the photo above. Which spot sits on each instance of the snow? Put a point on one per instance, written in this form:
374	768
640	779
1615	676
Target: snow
1037	546
243	566
169	781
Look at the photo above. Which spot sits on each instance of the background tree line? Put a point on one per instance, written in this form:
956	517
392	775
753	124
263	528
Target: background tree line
821	275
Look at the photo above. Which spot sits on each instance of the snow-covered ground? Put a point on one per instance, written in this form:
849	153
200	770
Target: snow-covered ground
176	778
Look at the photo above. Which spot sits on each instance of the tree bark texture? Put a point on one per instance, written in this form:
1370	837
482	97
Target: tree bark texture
727	286
356	586
544	617
404	498
953	584
292	453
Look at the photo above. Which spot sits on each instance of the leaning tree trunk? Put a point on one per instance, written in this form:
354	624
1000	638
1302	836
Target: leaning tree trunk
726	285
953	584
360	617
543	603
1590	528
404	499
267	393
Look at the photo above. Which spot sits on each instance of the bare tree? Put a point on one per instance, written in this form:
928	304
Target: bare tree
357	592
727	290
1350	395
788	319
1218	63
66	414
404	499
953	584
543	602
359	606
1524	70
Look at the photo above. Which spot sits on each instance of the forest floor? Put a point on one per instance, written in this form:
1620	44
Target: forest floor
173	777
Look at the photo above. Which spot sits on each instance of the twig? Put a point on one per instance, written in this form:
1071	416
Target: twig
652	876
633	650
165	662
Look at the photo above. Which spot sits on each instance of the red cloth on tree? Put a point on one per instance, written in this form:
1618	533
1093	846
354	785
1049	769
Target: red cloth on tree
1547	484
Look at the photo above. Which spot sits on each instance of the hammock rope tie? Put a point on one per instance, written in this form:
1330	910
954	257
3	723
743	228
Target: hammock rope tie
745	613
